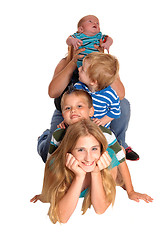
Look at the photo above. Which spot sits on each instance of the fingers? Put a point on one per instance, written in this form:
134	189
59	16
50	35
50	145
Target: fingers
138	196
71	161
146	198
35	199
104	161
97	121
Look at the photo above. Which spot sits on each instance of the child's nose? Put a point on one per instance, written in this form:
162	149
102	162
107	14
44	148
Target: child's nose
73	109
87	156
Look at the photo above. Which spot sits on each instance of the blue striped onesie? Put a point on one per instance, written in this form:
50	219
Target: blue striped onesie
88	44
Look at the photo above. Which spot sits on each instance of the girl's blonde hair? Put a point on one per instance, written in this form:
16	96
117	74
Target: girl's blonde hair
58	178
102	68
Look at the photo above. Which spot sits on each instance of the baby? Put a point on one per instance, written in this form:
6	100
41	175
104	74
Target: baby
87	35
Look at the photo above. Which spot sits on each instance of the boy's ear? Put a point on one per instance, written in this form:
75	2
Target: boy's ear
91	111
93	82
80	29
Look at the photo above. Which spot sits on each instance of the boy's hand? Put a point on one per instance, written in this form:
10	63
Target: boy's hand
137	196
98	122
62	125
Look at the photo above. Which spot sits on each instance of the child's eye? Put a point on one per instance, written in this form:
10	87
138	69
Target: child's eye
95	149
80	150
67	108
79	106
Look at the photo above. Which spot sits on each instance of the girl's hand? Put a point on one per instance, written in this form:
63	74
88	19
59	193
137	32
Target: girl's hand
73	165
137	196
103	162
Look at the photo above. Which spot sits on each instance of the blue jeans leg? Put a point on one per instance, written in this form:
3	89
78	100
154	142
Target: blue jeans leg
119	126
44	140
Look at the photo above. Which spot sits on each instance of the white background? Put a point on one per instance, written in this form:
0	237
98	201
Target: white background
32	42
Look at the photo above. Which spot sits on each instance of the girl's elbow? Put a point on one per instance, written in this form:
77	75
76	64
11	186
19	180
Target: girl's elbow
100	212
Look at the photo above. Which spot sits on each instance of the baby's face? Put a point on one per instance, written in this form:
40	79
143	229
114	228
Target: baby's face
90	26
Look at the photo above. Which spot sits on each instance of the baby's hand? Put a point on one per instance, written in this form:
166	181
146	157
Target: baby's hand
106	45
137	196
76	43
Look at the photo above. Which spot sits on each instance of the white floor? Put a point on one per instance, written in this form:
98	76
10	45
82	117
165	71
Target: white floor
30	50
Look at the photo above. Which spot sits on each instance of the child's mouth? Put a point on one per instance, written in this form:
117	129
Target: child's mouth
88	164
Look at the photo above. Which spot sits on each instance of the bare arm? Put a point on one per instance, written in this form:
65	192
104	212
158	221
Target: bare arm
98	196
136	196
118	86
126	176
69	202
62	75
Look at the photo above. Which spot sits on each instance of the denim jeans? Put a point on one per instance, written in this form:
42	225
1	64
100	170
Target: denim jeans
118	126
45	139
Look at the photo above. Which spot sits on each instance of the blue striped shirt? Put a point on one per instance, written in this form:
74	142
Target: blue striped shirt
105	102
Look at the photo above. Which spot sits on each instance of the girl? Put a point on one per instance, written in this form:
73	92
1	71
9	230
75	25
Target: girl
78	168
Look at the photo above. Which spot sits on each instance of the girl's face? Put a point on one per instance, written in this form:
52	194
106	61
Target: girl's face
87	151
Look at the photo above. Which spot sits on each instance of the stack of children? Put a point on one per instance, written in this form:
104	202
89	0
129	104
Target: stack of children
84	158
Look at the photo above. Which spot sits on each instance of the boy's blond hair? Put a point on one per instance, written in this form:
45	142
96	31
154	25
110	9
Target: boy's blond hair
79	93
102	68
